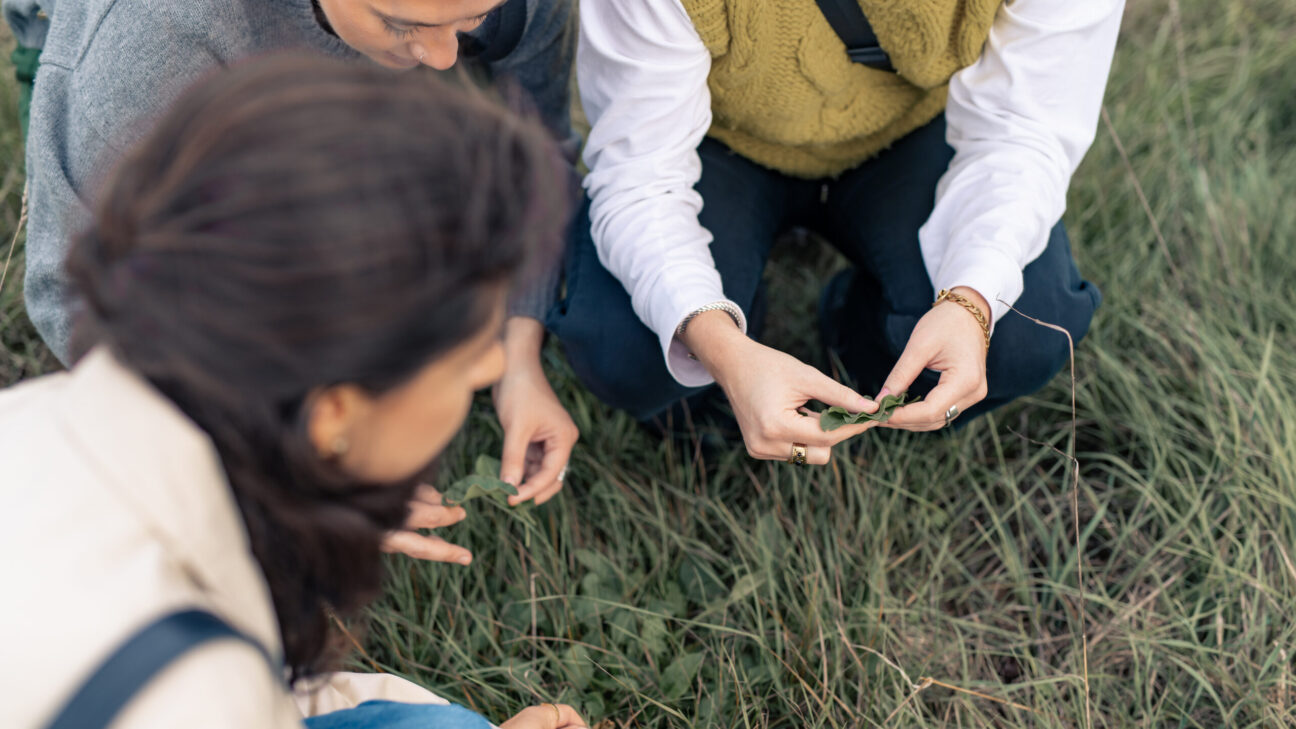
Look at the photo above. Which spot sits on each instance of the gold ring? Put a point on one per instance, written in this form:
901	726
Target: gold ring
557	713
798	454
951	414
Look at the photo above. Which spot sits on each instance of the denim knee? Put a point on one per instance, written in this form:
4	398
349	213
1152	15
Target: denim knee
614	355
1025	355
623	377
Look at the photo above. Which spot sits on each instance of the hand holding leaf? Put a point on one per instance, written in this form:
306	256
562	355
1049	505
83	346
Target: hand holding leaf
836	417
484	481
428	511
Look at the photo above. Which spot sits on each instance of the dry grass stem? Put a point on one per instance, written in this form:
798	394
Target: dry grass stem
928	681
351	637
13	243
1142	196
1075	511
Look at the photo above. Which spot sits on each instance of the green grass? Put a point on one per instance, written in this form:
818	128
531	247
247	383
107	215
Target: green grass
668	587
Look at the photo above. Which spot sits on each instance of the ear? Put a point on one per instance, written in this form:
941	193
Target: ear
334	414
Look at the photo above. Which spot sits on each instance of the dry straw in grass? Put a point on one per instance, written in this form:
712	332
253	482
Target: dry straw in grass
1075	504
22	220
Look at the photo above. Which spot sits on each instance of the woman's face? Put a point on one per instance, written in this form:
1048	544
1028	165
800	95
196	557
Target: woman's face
393	436
402	34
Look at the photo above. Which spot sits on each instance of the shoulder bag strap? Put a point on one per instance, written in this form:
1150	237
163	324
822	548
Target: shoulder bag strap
97	702
847	18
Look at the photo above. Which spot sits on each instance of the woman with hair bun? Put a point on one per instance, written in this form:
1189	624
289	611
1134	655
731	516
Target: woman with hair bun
292	289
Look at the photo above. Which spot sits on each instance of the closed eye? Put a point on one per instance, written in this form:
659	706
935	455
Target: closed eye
403	30
400	31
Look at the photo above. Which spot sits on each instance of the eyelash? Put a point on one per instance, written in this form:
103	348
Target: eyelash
400	31
404	31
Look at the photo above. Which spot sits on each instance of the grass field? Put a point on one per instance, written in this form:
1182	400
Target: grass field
927	581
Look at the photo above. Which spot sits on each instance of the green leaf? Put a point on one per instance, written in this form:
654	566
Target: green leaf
745	586
836	417
483	482
699	582
579	667
678	677
654	635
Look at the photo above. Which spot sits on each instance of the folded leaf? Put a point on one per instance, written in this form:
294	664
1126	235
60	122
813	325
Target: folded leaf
836	417
483	482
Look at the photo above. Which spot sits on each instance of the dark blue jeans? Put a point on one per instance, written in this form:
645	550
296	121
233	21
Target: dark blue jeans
392	715
872	215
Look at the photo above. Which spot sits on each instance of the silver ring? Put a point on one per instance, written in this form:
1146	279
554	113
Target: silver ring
951	414
562	474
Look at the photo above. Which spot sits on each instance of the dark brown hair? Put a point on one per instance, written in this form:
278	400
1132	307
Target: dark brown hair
295	223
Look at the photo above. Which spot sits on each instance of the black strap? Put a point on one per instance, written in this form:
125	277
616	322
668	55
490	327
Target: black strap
847	18
509	22
137	661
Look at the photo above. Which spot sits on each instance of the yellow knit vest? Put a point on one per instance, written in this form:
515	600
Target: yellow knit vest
785	95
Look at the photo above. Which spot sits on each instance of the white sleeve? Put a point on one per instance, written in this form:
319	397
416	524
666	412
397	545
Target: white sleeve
642	71
1019	119
345	690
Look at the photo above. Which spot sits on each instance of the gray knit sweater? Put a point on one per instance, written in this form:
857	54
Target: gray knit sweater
109	67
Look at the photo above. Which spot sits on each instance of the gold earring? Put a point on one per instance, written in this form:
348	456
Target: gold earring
339	446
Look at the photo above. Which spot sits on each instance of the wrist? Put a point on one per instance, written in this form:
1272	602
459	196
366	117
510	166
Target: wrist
523	340
973	304
713	337
977	299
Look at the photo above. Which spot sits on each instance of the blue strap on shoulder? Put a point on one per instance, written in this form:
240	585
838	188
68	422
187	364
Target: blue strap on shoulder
847	18
138	661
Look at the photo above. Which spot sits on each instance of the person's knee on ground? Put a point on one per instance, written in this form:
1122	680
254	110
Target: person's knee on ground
1029	355
612	353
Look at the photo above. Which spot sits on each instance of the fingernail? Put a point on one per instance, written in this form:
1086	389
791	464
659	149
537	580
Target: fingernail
465	560
885	391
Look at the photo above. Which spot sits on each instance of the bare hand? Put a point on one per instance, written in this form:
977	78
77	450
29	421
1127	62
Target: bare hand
427	512
949	340
538	432
768	391
546	716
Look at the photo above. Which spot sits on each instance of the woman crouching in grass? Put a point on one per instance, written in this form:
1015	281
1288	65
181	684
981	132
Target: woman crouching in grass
293	288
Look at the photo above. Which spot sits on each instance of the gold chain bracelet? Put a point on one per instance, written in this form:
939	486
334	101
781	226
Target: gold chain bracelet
963	301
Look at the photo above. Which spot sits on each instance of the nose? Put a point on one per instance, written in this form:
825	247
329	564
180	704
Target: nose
440	53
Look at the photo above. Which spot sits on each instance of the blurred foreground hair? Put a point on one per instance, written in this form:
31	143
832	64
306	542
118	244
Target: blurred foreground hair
299	222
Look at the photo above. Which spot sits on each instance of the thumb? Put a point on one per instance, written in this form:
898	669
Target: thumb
513	459
913	360
831	392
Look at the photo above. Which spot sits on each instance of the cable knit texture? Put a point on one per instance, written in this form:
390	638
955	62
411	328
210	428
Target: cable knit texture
785	94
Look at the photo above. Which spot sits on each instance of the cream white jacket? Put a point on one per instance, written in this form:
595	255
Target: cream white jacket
116	512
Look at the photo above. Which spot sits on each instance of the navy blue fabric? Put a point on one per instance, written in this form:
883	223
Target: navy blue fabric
501	32
137	661
391	715
850	24
872	214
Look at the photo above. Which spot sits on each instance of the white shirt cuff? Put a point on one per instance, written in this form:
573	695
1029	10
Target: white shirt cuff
989	272
686	370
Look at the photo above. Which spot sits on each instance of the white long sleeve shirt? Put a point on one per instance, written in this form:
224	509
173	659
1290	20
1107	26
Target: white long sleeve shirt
1019	119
